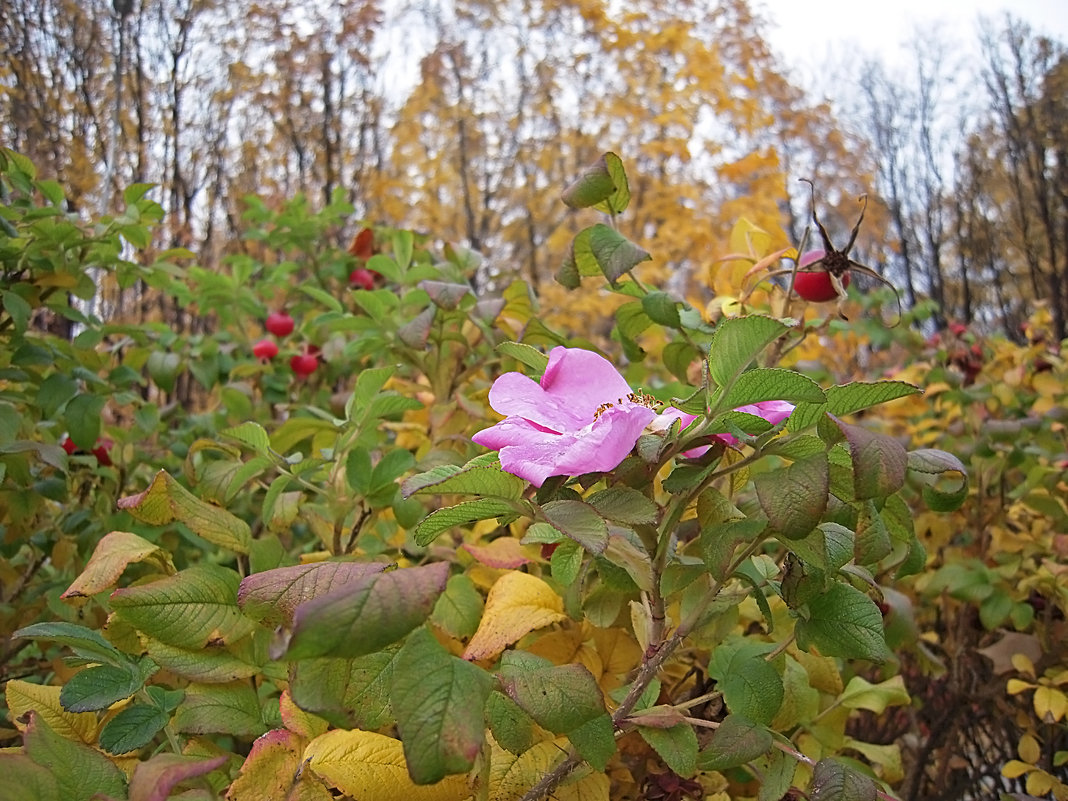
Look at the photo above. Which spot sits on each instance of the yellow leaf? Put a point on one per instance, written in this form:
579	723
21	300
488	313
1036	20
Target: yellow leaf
888	757
1016	686
1014	768
1050	704
568	645
371	767
1038	783
861	694
511	776
1029	749
269	768
517	604
111	556
22	696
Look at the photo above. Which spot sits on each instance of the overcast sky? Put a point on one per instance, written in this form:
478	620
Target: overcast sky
806	33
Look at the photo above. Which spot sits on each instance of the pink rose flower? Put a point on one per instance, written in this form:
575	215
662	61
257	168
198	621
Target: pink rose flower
582	417
774	411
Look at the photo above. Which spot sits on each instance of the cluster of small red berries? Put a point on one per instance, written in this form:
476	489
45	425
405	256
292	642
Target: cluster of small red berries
281	325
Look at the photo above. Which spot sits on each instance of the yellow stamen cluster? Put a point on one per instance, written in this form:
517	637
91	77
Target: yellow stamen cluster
639	397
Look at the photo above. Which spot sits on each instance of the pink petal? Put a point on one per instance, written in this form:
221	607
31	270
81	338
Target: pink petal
598	447
583	380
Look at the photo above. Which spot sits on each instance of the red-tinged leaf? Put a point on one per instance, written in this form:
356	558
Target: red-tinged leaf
503	552
297	720
269	768
154	779
879	462
836	781
794	498
273	595
166	501
113	554
365	615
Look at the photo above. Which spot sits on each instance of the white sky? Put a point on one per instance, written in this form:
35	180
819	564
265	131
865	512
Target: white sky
808	33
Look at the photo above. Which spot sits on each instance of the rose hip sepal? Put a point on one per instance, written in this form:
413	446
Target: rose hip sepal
582	417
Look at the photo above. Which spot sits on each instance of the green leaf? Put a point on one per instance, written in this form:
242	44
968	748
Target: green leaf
484	480
85	642
251	434
943	477
559	698
862	694
850	398
879	462
18	309
166	501
439	701
365	615
624	505
751	686
737	740
834	781
566	562
231	709
525	354
163	368
323	297
186	610
512	727
595	741
795	497
99	686
843	622
737	341
601	249
54	393
132	728
579	521
677	746
463	514
273	595
459	609
771	383
617	202
873	537
603	184
82	416
24	779
80	772
349	693
663	309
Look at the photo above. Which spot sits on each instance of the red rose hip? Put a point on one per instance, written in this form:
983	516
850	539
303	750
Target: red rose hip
279	323
265	350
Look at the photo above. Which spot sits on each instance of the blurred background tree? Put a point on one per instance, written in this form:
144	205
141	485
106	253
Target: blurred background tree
457	117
